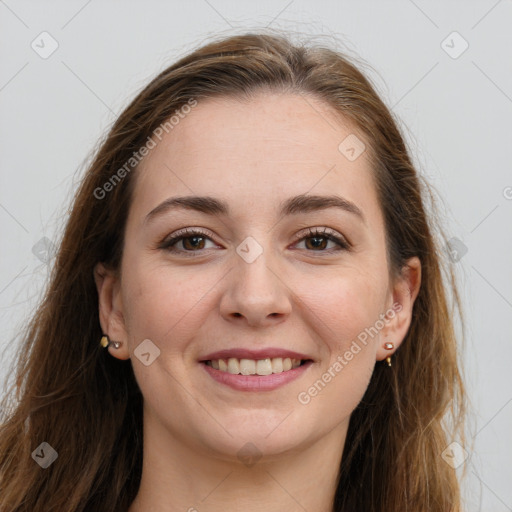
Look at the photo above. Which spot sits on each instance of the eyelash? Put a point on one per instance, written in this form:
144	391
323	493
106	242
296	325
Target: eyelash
168	243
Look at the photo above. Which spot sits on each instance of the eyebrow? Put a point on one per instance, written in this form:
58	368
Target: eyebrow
292	206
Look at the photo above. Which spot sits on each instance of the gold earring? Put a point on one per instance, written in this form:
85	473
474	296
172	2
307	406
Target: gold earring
389	346
105	342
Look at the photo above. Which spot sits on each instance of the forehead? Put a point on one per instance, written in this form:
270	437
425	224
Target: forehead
256	152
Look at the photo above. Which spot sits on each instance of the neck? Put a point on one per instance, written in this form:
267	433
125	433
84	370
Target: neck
180	477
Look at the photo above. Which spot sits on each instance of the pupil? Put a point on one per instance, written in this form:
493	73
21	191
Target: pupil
195	238
316	245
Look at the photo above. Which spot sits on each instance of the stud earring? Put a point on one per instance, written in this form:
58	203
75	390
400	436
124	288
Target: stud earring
389	346
106	342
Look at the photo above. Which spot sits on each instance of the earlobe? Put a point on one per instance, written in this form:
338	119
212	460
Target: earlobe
111	308
404	293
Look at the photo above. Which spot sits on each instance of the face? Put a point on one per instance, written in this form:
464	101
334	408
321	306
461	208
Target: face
254	277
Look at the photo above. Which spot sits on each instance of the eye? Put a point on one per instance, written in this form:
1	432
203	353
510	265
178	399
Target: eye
320	238
191	239
194	240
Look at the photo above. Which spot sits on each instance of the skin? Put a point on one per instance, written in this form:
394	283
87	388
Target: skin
253	155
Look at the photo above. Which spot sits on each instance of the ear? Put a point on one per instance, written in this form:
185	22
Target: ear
111	309
401	301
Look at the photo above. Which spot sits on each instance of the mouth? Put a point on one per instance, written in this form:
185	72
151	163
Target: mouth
257	367
256	375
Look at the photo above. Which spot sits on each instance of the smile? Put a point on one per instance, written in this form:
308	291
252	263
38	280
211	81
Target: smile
262	367
231	374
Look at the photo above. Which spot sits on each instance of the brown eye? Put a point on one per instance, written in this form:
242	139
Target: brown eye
192	241
317	240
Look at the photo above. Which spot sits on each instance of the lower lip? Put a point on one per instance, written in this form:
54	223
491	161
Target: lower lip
256	382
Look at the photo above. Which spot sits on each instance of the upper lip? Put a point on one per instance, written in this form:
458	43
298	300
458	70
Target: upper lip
243	353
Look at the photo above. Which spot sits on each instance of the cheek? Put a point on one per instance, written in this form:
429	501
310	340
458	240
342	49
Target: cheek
344	305
163	303
342	311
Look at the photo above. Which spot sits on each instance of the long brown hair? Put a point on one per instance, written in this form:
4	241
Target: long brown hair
87	405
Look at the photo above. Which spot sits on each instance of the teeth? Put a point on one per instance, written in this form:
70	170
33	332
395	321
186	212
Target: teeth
252	367
264	367
277	365
233	365
248	366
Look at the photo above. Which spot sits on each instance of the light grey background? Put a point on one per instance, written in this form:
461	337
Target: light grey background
455	111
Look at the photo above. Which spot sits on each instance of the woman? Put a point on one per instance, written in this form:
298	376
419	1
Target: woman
251	246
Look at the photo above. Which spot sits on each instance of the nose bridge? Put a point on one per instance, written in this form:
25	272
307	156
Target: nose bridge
254	268
255	292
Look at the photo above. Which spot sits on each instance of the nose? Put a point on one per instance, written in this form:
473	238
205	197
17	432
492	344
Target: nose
256	294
